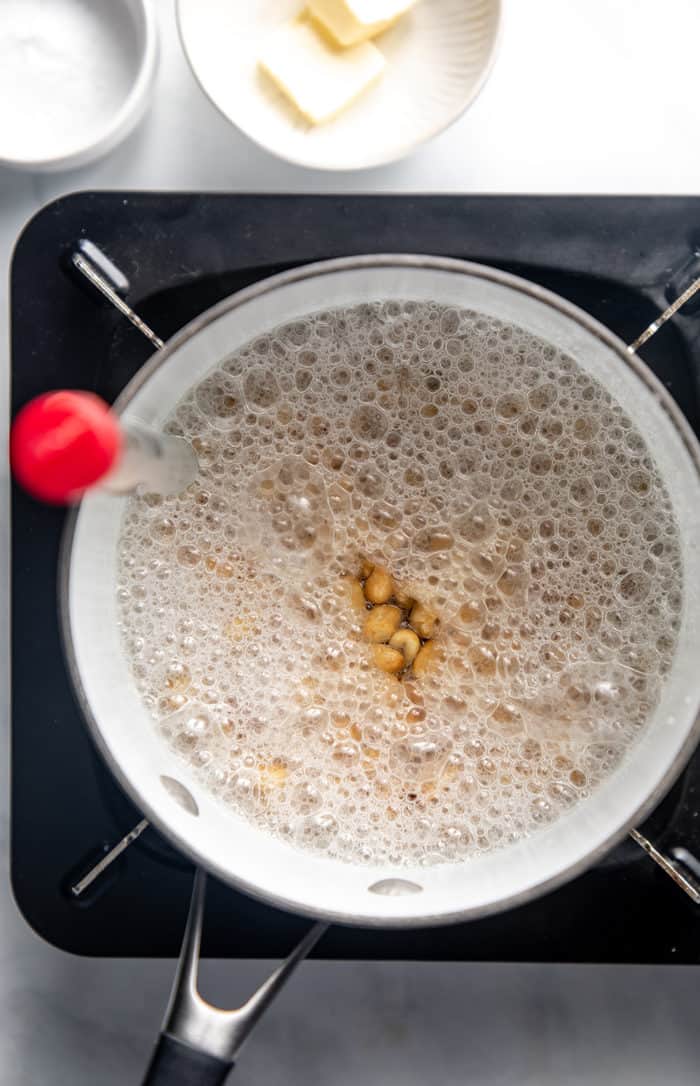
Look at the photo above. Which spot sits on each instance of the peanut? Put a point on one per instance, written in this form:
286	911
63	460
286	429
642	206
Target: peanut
388	659
408	643
379	586
422	620
357	596
403	599
425	659
272	775
382	622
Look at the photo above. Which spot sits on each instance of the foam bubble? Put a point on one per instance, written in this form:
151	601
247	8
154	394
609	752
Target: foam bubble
500	485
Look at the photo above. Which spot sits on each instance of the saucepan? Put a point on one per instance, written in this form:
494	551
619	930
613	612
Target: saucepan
227	845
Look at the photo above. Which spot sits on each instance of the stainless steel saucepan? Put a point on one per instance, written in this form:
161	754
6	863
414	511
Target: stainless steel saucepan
235	850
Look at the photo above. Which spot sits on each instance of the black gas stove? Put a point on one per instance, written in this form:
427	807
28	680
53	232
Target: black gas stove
621	259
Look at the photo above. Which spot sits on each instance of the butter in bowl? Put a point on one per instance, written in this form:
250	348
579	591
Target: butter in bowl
323	60
340	84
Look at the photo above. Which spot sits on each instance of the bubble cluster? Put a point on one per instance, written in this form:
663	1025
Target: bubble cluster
500	485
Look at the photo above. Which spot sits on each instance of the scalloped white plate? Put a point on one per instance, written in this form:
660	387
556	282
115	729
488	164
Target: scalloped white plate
439	57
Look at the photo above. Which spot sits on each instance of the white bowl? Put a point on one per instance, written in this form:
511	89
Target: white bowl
439	56
75	78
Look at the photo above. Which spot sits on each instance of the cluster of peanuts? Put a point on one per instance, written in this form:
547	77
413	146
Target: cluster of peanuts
400	629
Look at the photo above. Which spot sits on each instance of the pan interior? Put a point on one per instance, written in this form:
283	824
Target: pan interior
234	847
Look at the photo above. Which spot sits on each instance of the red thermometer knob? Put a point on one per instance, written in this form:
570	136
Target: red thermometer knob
62	443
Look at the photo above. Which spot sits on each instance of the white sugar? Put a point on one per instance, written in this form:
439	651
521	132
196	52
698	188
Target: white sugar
65	68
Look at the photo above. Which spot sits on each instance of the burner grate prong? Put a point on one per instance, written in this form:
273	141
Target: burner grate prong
670	310
673	870
121	846
86	268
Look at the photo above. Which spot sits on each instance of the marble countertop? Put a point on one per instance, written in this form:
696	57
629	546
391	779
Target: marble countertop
591	96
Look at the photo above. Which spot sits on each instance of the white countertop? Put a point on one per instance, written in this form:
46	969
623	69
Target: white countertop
592	96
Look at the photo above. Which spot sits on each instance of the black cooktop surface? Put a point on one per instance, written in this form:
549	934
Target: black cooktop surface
620	258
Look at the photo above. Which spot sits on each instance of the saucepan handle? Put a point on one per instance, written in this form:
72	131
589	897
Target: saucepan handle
175	1063
199	1042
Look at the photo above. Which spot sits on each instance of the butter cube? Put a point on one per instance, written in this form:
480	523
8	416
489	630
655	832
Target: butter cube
320	78
352	21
